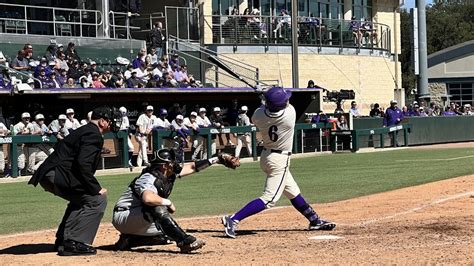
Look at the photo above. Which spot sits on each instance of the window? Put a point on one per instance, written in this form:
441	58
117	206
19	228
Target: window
461	93
362	9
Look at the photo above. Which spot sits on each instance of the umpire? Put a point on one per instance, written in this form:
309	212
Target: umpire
69	173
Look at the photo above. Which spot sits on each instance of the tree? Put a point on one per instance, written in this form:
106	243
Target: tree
448	22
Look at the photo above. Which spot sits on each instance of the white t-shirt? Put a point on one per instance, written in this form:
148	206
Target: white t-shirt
277	128
162	123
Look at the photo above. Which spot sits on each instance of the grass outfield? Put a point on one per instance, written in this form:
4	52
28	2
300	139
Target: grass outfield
218	190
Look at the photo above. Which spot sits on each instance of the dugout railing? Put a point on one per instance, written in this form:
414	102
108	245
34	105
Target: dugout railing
355	136
324	130
16	141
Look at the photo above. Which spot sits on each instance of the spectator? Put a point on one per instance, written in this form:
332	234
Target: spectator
134	81
341	123
354	111
70	84
320	117
75	71
20	63
422	112
53	83
28	53
145	125
117	80
284	20
85	82
62	78
450	111
433	110
310	84
154	56
45	80
71	122
174	61
467	110
393	115
243	139
71	53
105	78
376	111
51	52
43	65
369	33
137	62
96	83
354	26
60	50
128	73
405	111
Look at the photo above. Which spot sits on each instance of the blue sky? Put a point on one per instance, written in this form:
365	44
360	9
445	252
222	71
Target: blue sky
411	3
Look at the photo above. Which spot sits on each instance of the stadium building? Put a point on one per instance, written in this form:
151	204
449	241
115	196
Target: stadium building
343	44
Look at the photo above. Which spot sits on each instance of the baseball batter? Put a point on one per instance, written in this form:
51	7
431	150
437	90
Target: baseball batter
276	120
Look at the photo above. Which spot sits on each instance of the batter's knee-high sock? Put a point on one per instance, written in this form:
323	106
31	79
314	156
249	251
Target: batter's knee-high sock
253	207
304	208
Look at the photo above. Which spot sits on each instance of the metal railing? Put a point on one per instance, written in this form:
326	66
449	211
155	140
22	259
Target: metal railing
42	20
120	27
212	73
270	30
20	75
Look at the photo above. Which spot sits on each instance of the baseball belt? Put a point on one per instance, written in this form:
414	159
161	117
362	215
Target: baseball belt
278	151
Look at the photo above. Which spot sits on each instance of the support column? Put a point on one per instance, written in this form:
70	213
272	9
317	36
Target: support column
347	9
423	50
103	7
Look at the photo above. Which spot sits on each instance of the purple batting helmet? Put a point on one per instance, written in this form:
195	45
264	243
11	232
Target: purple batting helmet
276	98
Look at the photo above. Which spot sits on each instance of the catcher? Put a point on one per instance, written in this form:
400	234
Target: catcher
142	213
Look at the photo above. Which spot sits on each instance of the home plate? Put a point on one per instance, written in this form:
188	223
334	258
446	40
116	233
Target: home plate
325	237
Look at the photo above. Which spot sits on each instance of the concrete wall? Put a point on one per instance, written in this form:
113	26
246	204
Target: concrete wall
371	77
462	67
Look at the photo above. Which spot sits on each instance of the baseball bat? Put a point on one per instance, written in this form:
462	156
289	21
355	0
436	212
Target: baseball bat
227	69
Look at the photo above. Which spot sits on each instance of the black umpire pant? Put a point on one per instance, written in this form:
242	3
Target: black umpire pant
82	216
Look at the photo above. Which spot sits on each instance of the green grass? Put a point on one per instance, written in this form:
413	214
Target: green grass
218	190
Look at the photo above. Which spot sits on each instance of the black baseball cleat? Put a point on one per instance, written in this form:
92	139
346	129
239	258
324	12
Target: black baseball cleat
321	225
126	242
190	244
75	248
58	244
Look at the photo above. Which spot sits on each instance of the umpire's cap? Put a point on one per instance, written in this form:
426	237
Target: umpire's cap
102	112
276	98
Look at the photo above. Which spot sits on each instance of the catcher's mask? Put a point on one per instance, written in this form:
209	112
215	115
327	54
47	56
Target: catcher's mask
160	158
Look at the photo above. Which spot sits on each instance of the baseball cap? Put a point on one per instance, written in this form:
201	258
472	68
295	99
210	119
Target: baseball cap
39	116
62	117
60	45
149	107
393	101
244	108
25	115
30	80
202	109
276	98
179	117
163	112
52	63
217	109
93	63
193	114
70	111
123	109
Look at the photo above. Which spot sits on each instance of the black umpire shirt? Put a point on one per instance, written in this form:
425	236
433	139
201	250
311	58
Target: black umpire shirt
74	160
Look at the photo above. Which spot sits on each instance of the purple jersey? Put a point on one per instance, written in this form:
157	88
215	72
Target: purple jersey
393	116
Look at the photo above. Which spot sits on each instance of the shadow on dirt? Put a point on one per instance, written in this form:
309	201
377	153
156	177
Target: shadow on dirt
25	249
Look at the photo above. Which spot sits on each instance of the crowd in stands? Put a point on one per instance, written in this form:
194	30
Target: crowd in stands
31	156
63	68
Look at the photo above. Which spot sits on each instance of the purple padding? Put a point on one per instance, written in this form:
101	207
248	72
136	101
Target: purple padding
253	207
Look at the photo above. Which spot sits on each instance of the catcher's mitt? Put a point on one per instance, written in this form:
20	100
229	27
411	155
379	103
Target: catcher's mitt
228	160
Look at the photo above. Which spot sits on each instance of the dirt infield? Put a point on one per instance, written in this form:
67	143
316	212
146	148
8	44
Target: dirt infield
432	223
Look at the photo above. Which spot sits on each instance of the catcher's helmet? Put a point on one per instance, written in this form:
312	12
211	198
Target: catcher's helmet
276	98
163	156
